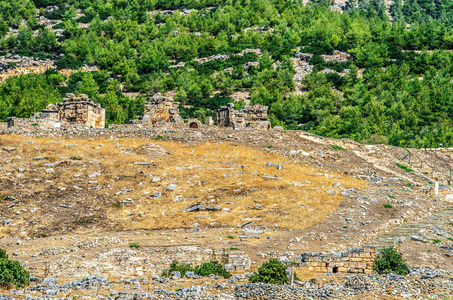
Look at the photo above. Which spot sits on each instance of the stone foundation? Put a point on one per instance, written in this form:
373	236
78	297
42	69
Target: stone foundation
355	260
3	125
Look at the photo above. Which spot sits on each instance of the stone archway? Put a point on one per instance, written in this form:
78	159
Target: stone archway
194	123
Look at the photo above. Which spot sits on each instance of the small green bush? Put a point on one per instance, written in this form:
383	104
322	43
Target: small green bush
272	271
176	266
134	245
335	147
390	261
212	267
117	204
388	206
3	254
403	167
12	274
159	138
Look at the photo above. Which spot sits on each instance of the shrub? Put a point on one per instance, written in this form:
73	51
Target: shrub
212	267
335	147
159	138
403	167
3	254
390	261
388	206
69	63
134	245
11	272
179	267
272	271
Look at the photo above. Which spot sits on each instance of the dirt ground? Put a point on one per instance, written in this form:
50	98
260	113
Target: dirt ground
318	194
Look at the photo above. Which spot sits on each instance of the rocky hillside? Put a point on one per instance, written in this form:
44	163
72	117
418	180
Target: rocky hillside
74	201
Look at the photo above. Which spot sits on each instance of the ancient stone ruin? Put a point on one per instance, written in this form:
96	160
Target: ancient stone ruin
72	112
355	260
254	117
159	110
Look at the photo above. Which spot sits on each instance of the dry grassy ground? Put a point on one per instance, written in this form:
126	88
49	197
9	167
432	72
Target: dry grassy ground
104	187
220	175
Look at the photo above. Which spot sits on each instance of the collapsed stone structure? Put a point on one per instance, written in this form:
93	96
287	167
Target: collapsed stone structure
355	260
248	117
159	110
72	112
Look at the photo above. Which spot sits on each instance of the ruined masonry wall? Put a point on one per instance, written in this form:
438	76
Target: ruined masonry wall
72	112
158	111
356	260
248	117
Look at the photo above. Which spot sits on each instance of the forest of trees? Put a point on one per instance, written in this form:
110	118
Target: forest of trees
404	96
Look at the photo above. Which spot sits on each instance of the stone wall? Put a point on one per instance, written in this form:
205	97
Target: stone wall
3	125
72	112
355	260
248	117
159	110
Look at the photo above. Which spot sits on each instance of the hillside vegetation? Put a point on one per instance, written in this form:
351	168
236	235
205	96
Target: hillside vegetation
396	89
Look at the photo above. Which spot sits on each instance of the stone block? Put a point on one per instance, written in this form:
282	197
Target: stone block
361	265
357	259
369	249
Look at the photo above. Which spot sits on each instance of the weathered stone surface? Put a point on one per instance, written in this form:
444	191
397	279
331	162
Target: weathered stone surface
248	117
72	112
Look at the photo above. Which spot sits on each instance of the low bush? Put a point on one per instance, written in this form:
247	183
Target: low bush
335	147
3	254
12	274
403	167
69	63
179	267
272	271
134	245
212	267
389	260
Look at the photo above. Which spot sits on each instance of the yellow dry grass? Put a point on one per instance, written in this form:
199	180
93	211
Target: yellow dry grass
216	174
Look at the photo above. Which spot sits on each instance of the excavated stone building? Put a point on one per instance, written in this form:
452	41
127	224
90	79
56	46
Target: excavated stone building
72	112
355	260
253	117
159	110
